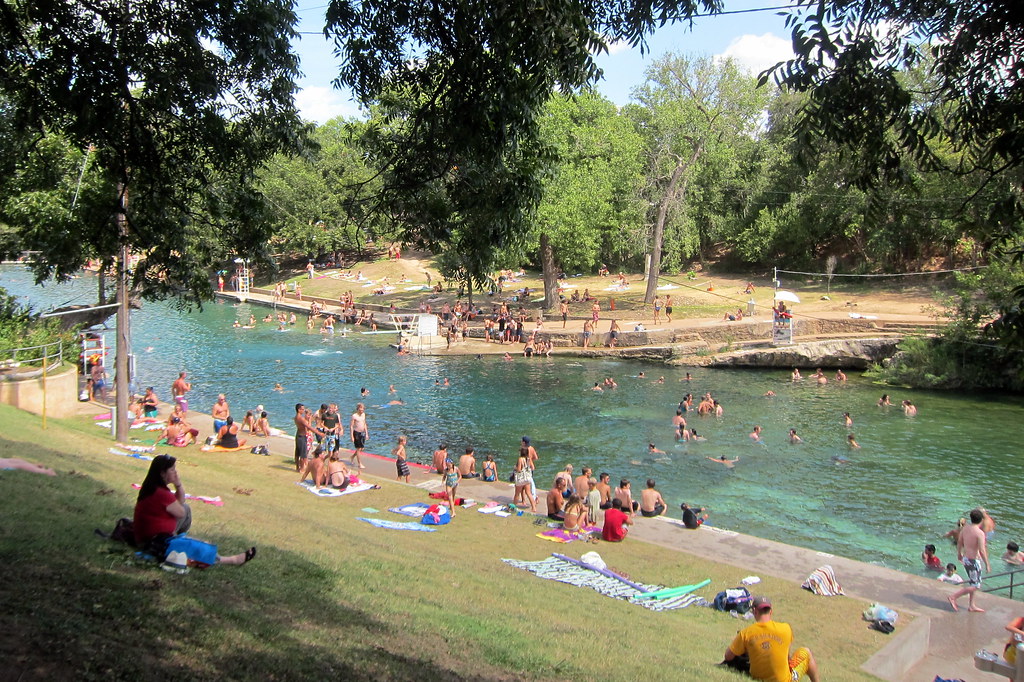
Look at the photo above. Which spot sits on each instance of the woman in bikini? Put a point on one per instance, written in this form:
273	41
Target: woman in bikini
575	515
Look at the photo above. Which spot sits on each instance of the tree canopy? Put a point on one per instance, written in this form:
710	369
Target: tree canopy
178	105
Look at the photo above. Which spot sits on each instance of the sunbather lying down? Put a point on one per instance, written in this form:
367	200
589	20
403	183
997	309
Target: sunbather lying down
16	463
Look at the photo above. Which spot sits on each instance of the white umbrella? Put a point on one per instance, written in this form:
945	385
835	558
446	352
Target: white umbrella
786	296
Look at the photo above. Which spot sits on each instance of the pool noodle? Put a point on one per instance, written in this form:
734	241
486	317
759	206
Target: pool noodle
670	592
602	571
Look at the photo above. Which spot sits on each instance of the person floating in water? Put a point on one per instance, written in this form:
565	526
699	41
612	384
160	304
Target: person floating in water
793	438
851	441
723	460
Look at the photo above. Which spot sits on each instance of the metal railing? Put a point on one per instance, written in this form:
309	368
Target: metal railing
1012	573
47	354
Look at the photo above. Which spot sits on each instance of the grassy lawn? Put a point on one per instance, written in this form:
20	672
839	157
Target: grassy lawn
329	596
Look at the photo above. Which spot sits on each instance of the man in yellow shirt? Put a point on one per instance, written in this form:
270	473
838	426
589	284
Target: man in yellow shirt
767	643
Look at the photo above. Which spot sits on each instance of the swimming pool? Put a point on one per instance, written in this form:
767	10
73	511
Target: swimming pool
906	486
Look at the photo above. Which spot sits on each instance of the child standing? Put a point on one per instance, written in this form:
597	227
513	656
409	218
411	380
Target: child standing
401	462
451	483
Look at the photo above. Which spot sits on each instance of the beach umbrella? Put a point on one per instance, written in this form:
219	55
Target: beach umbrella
788	296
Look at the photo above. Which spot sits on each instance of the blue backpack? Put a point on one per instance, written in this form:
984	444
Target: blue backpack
737	599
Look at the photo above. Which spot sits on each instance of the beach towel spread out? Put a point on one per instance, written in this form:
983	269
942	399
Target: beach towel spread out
398	525
332	492
215	501
562	535
823	581
554	568
125	453
415	510
218	448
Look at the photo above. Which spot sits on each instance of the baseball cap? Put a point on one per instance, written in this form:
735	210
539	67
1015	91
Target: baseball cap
526	439
761	603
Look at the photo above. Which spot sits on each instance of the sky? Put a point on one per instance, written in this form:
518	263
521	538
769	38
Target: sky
756	40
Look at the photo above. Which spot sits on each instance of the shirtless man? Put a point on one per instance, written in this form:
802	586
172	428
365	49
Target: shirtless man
730	463
556	501
360	434
467	464
588	331
220	412
625	495
613	334
564	309
971	550
303	435
793	438
651	502
679	423
605	490
565	475
582	482
178	390
755	435
440	456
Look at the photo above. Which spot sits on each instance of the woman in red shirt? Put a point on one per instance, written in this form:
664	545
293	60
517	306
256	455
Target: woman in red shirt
160	514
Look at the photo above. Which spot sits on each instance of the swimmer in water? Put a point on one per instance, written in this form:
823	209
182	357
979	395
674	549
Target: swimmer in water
851	441
909	408
884	400
364	391
641	375
722	460
597	387
755	435
279	388
795	376
651	450
237	324
793	438
840	376
507	357
391	388
769	394
847	419
695	436
660	380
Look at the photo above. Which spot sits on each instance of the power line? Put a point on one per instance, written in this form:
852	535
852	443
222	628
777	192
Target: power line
893	274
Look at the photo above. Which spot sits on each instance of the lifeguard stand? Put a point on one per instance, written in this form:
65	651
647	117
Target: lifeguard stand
419	326
782	318
244	279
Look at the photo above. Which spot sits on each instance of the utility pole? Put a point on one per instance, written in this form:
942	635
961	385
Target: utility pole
121	378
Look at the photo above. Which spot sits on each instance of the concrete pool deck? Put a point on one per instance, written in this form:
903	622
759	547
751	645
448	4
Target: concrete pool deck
937	641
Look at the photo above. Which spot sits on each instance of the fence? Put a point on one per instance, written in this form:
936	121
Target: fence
999	578
47	354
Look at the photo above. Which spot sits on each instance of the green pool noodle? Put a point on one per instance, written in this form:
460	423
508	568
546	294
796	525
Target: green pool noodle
674	591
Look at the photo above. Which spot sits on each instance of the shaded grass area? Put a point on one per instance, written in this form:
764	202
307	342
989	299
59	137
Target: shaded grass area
332	596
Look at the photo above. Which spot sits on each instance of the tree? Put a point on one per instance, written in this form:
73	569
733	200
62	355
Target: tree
690	108
477	74
182	104
593	188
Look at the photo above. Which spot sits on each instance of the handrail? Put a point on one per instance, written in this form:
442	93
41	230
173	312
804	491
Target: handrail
48	355
1012	573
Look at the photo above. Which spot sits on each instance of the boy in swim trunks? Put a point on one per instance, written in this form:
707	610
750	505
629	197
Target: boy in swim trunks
971	550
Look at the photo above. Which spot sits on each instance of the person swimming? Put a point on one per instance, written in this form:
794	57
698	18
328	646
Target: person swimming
724	460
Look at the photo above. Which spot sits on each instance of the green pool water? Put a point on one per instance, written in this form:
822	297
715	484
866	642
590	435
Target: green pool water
906	486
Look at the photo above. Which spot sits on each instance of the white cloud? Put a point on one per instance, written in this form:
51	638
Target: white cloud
757	53
320	104
618	46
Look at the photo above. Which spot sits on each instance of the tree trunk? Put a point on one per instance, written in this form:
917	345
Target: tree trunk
469	291
547	260
678	174
121	378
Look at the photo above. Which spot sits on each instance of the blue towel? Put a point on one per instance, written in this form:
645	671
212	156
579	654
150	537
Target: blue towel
397	525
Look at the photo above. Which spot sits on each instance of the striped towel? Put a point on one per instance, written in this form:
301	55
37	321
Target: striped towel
554	568
823	581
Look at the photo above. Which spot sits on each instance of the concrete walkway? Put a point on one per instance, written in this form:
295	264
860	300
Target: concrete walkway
937	642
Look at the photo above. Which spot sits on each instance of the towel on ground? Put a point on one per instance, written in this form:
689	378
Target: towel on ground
563	571
333	492
823	582
397	525
415	510
563	535
215	501
125	453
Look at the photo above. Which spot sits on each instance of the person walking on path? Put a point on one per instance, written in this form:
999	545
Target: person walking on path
971	550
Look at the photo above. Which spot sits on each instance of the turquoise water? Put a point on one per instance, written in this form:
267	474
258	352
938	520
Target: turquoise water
906	486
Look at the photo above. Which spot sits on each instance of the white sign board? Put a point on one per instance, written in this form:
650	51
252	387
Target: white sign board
427	325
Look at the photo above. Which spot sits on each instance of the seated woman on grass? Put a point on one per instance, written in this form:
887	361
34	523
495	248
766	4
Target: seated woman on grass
227	437
575	515
160	515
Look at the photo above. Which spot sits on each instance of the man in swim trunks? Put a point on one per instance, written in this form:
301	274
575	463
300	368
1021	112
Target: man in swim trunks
440	457
467	464
971	550
556	501
360	434
304	431
651	502
178	390
613	334
767	643
605	489
221	411
563	307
